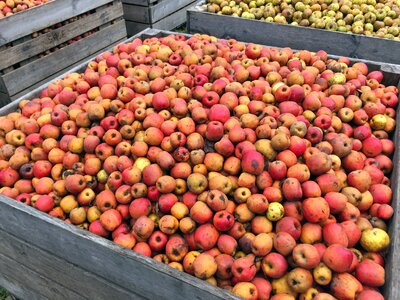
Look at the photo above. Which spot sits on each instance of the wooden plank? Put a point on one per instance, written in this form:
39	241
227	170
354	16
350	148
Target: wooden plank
133	28
139	2
3	88
4	99
174	20
41	287
35	46
43	16
393	72
18	289
51	266
283	35
153	13
136	273
166	7
168	23
152	32
137	13
392	286
56	61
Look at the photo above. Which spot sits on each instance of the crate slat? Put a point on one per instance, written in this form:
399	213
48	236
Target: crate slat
136	12
154	12
139	2
43	16
133	28
168	23
136	273
166	7
3	88
14	273
392	262
391	288
49	265
13	285
40	69
58	36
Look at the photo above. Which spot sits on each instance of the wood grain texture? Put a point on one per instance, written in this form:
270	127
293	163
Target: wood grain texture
49	265
137	13
297	37
56	61
136	273
40	44
11	284
392	261
168	23
39	286
3	88
166	7
139	2
43	16
4	99
153	13
133	28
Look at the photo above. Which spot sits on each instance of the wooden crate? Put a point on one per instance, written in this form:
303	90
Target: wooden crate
296	37
140	2
164	14
45	258
22	65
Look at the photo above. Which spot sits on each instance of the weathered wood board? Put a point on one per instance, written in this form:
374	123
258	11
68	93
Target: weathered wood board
154	12
168	23
43	16
60	35
75	251
140	2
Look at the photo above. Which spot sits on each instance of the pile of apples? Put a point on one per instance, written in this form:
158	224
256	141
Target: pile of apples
260	170
10	7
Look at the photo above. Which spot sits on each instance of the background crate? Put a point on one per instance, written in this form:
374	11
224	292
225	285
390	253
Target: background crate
140	2
296	37
22	65
42	257
163	14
